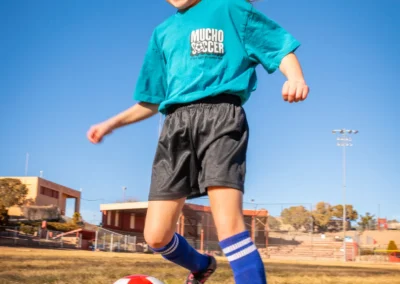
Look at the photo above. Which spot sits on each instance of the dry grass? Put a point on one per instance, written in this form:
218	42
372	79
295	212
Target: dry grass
35	266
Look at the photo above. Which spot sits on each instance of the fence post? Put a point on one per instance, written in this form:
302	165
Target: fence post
253	228
126	243
80	241
39	235
15	235
202	240
182	225
95	240
312	234
111	246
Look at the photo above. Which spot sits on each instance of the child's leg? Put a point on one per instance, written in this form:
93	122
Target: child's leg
160	235
235	240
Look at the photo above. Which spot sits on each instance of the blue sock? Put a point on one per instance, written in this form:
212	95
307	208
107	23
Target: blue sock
180	252
244	259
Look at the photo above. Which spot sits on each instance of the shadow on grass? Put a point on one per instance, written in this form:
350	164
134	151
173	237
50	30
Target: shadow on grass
315	270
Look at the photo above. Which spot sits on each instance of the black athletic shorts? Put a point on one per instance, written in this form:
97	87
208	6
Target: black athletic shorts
202	144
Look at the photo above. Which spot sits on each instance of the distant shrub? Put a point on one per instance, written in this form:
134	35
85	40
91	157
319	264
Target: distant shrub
26	229
62	227
77	219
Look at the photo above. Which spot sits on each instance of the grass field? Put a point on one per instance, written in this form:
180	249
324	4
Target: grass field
34	266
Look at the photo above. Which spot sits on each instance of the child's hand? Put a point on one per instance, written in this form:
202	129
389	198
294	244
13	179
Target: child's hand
98	131
295	91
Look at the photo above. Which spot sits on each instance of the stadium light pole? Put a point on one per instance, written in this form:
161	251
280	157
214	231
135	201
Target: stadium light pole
343	140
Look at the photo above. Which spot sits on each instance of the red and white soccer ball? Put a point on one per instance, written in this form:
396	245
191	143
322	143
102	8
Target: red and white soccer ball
138	279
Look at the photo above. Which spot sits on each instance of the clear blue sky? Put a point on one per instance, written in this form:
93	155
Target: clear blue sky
65	65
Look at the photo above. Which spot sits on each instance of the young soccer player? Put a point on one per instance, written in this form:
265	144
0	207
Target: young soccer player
199	70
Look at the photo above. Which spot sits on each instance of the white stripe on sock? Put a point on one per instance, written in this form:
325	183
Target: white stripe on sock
242	253
173	243
236	246
173	247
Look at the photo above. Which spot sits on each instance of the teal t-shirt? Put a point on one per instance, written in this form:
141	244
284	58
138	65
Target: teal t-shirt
212	48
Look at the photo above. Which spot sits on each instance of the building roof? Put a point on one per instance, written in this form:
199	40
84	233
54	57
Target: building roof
124	206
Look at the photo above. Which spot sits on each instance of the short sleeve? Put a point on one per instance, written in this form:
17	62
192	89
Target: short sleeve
151	85
266	42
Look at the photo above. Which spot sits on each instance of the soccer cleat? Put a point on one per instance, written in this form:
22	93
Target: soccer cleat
201	277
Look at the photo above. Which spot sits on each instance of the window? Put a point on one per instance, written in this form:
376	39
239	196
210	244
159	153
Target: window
132	221
108	218
116	219
49	192
54	194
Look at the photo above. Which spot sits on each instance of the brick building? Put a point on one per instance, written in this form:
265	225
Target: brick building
195	223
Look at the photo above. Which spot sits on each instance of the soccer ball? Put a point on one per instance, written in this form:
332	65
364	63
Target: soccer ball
138	279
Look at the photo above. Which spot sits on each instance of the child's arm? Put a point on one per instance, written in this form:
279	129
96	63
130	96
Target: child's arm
269	44
295	88
136	113
150	91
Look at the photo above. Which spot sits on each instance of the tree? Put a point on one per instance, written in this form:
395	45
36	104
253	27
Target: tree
367	221
3	216
273	224
76	218
297	217
392	246
12	193
322	214
351	214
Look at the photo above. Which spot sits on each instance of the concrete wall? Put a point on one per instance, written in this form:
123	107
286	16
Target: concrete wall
64	191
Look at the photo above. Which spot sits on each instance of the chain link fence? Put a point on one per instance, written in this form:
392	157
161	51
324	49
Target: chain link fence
111	241
35	236
280	231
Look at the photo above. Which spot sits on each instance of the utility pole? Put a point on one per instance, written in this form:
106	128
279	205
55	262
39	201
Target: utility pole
26	164
124	192
343	140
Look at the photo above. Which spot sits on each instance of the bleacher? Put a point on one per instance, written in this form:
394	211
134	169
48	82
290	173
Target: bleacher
306	250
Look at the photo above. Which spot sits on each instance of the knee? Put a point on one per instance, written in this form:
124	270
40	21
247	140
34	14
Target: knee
157	239
229	231
230	227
